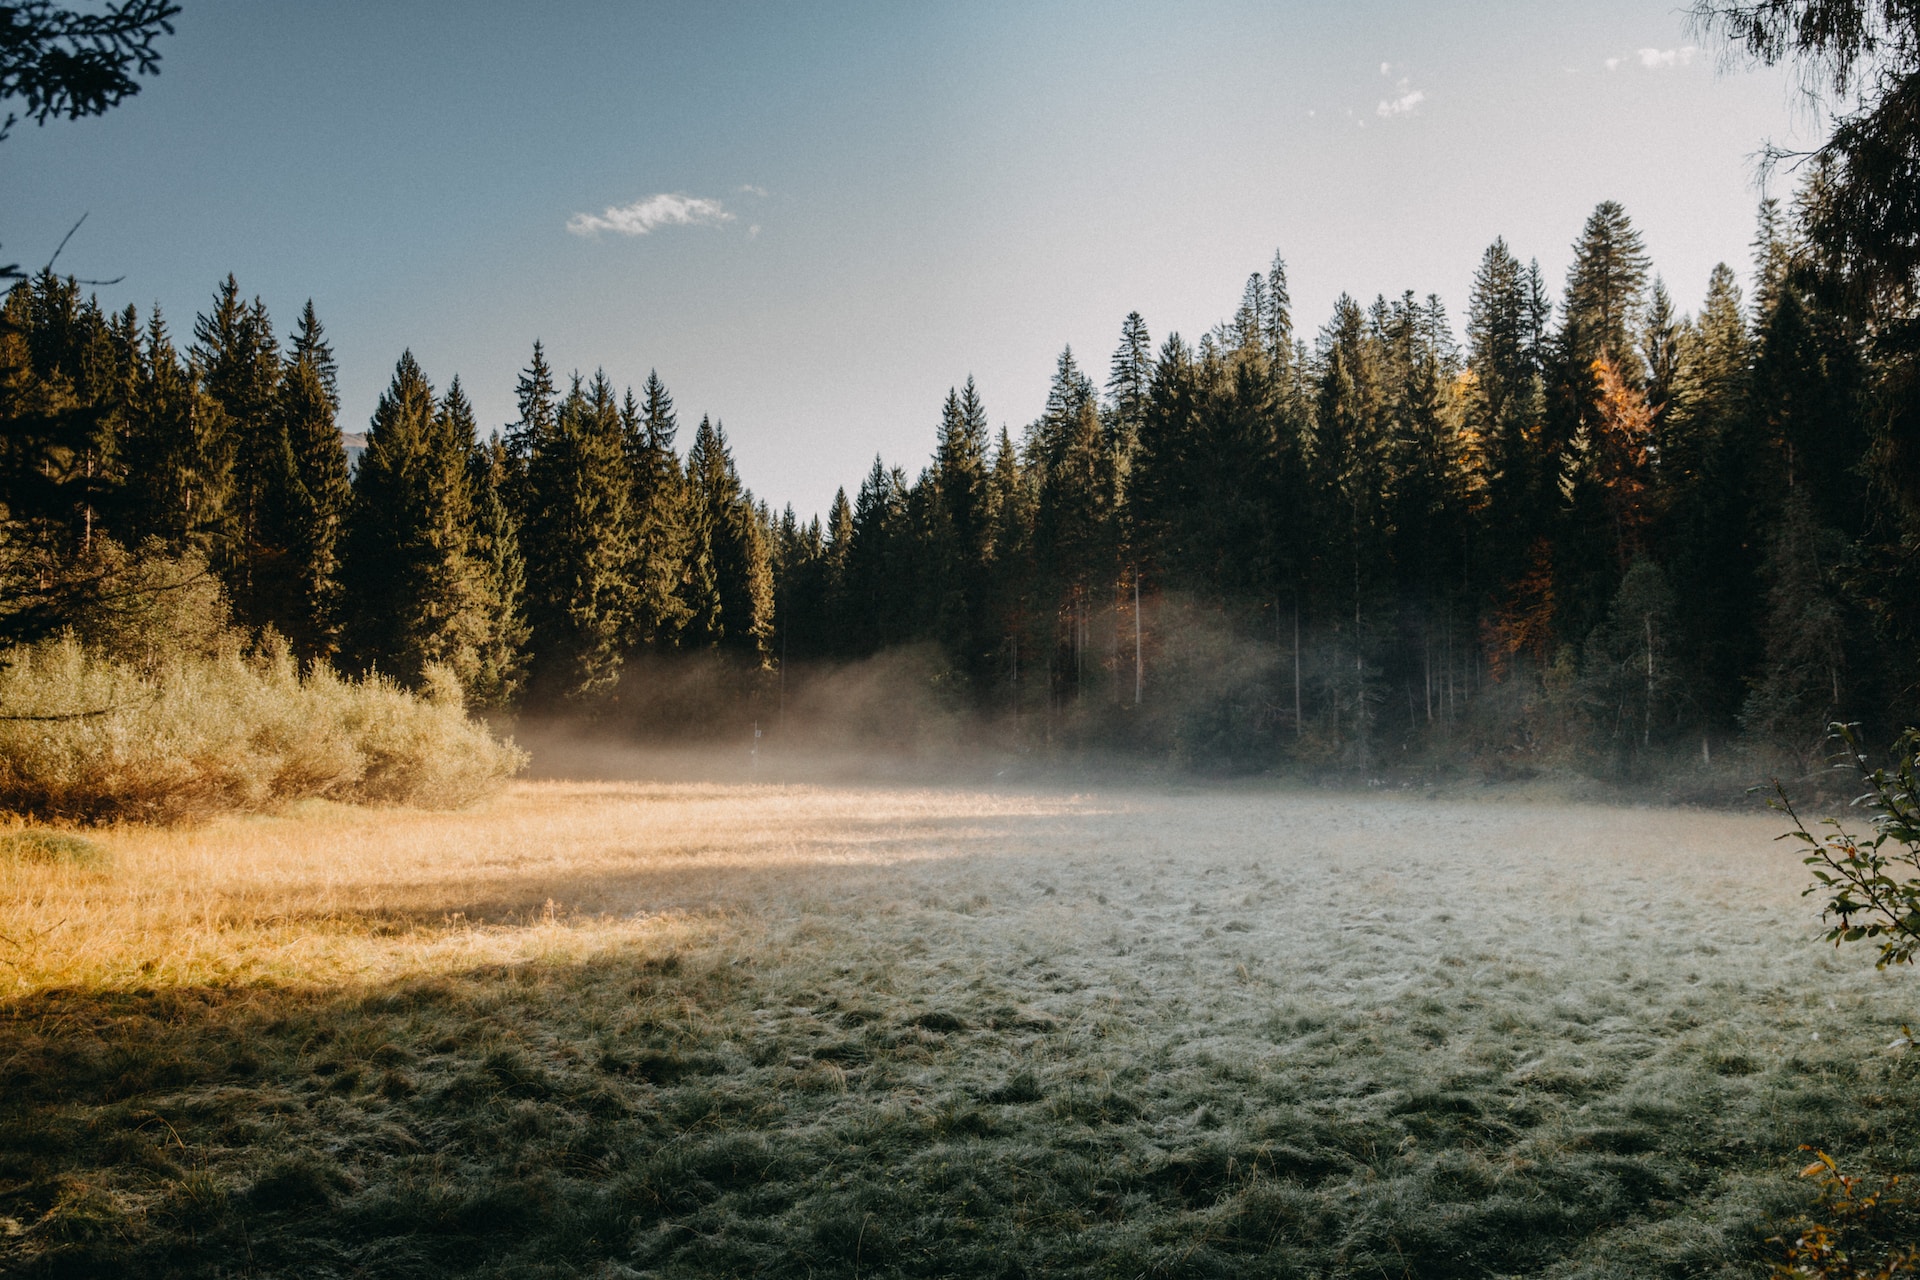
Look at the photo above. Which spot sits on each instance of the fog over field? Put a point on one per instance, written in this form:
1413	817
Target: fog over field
979	641
703	1028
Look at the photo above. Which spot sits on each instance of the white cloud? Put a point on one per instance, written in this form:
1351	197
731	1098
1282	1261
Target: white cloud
1386	68
642	216
1409	99
1613	64
749	189
1654	59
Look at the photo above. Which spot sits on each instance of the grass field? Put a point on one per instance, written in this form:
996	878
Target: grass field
693	1029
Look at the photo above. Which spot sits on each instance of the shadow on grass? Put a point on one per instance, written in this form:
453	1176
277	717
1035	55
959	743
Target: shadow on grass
676	1113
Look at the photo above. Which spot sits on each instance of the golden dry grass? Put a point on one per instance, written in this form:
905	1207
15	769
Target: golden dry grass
327	893
702	1029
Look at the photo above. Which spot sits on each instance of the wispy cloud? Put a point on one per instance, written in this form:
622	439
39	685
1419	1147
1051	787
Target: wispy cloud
1653	59
1407	101
1658	59
669	209
1406	96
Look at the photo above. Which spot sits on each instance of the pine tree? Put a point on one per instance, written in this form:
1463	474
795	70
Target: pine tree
657	502
309	344
1504	406
579	541
1129	385
316	502
411	584
874	595
62	384
1709	471
239	363
500	659
958	550
537	398
164	466
1604	293
841	621
1276	323
736	613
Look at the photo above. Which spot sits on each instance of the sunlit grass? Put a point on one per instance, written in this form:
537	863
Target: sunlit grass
721	1030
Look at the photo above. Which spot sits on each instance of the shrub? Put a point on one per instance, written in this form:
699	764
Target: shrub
1872	882
88	738
1856	1233
37	844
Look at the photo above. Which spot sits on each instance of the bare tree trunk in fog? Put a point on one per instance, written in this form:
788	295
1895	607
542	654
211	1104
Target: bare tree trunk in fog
1646	730
1138	670
1299	729
1426	661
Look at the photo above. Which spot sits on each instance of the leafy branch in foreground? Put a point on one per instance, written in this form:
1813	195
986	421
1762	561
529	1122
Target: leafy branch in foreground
1859	1237
1873	882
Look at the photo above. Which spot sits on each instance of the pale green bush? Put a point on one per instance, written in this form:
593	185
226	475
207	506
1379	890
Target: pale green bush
88	738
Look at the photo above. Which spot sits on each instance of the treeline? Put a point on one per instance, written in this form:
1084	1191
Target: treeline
1596	531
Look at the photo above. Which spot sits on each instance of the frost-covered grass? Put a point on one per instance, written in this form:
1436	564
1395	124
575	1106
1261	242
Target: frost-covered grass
722	1030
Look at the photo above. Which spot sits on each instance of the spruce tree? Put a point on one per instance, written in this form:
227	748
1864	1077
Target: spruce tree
411	583
657	503
309	344
841	624
959	539
578	537
537	399
1128	385
167	485
1605	289
735	611
239	363
315	504
500	659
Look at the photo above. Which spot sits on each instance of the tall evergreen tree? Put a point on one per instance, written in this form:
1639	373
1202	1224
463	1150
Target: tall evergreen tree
657	503
239	363
729	537
960	536
413	598
313	510
1605	290
171	477
500	659
579	541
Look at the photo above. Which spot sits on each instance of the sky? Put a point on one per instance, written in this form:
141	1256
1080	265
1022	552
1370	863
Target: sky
813	220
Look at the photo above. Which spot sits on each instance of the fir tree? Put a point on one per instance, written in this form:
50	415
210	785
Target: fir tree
736	613
579	538
657	503
239	364
959	537
500	657
315	506
412	590
172	479
309	344
1604	292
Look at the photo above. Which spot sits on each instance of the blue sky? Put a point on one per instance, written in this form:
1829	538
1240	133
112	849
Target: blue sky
868	203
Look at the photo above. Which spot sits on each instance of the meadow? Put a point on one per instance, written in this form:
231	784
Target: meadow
702	1029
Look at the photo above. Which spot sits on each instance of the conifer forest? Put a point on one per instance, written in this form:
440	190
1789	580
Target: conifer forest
1297	806
1588	532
